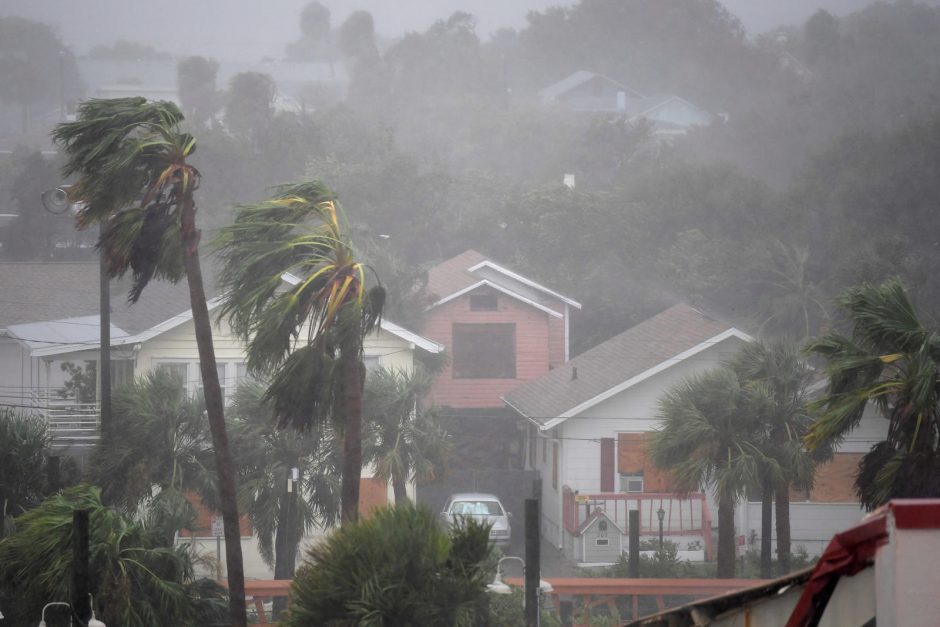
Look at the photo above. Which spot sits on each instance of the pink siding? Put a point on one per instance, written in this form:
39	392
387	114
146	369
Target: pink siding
539	344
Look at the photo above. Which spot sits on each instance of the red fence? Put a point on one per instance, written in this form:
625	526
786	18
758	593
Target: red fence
685	515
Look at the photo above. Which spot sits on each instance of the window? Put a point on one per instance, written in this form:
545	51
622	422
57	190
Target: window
485	351
371	362
179	370
631	483
483	302
601	541
190	375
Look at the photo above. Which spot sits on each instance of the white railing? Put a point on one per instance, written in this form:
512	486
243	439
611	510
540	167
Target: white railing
70	422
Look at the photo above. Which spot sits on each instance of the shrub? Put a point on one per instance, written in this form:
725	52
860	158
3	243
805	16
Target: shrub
397	567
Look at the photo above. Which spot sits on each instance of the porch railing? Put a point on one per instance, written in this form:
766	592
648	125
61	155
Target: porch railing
70	422
685	515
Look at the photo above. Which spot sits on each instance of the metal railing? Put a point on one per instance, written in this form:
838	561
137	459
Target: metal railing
70	422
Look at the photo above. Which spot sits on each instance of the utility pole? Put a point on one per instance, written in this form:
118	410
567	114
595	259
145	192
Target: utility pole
533	565
104	357
81	604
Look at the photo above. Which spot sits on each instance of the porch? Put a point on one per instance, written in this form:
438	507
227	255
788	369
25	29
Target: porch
686	519
71	423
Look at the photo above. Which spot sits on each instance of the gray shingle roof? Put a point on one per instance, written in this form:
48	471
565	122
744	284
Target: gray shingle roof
614	361
43	291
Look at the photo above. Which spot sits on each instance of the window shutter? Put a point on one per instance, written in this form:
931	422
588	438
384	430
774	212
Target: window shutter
607	464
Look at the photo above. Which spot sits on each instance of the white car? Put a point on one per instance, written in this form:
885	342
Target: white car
484	508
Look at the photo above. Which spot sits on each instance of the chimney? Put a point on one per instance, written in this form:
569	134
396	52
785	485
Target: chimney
574	373
621	100
569	181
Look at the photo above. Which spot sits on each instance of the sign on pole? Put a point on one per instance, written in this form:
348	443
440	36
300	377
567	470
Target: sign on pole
218	529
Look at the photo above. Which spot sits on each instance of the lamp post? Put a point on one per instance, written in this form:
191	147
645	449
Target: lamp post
92	622
500	587
56	200
661	514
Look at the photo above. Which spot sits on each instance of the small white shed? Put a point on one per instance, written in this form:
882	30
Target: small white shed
600	539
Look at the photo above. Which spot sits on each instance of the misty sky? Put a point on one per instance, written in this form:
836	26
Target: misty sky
251	29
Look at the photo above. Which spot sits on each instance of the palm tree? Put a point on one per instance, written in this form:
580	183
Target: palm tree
266	456
159	448
709	438
403	439
140	578
777	376
891	360
308	335
24	446
130	157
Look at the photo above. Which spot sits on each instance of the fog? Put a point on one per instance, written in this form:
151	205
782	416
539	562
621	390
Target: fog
570	213
247	30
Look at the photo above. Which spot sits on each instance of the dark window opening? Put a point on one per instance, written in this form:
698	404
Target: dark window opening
483	302
484	351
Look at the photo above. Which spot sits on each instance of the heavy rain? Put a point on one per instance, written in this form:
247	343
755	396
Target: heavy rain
461	312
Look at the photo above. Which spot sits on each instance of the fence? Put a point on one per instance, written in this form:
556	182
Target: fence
683	515
70	422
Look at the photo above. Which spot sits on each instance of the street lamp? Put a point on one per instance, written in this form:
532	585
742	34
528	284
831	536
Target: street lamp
661	513
92	622
499	586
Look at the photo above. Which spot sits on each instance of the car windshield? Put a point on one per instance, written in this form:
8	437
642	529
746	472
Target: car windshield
476	508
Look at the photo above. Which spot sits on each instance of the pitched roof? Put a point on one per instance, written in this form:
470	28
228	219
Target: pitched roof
578	78
470	269
616	364
44	291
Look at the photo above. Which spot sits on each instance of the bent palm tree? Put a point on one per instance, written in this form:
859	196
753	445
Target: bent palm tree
327	311
708	439
893	361
403	439
130	157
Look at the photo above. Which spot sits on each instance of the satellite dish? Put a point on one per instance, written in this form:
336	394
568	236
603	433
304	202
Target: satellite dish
56	200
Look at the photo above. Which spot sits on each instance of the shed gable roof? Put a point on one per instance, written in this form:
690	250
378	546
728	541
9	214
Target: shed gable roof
618	363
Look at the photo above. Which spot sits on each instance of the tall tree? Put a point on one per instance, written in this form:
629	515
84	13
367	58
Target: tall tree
130	159
250	105
710	439
310	334
777	375
195	81
892	360
402	437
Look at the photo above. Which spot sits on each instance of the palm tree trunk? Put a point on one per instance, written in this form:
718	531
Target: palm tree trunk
401	492
725	537
783	525
766	527
214	409
352	430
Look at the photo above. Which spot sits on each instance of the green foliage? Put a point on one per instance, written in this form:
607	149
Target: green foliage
138	578
249	106
397	567
82	384
195	82
24	442
123	50
265	455
892	360
159	448
402	438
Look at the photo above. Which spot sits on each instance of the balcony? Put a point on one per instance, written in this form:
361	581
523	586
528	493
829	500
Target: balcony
71	423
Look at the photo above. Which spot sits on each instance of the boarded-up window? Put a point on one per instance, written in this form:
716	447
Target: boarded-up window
555	465
607	464
485	351
633	461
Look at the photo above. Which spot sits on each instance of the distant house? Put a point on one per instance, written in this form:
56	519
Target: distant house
500	329
588	92
49	316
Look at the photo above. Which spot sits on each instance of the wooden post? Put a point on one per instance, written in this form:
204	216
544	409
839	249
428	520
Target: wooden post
634	529
566	613
81	603
533	570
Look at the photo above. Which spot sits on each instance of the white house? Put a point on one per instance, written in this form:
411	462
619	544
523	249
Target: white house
50	316
587	423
